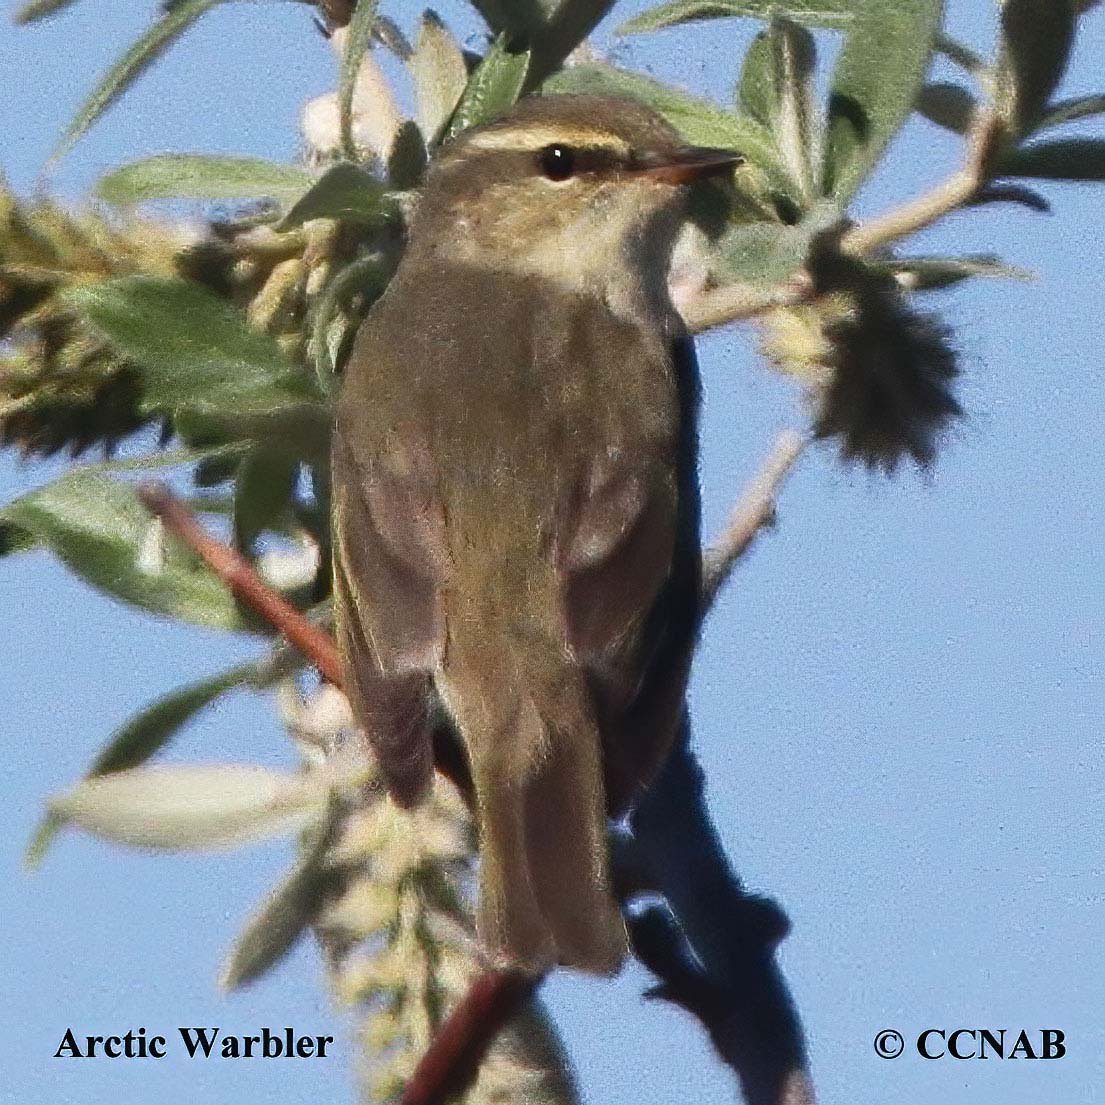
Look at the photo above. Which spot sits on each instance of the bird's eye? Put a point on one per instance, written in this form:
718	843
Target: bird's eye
557	162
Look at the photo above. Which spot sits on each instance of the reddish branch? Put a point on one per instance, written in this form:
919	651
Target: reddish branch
453	1059
239	575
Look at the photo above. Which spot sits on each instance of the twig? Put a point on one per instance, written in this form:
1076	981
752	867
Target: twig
957	191
737	302
452	1060
239	575
754	510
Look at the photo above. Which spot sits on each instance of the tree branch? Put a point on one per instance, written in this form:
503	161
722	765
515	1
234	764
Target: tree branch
737	302
754	510
452	1061
959	190
239	575
713	946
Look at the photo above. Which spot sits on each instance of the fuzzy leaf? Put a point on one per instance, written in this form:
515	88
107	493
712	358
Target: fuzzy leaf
346	192
193	807
144	736
287	913
298	429
1011	193
439	73
1068	111
767	254
762	254
949	106
960	54
35	10
197	351
357	45
202	176
262	491
924	274
97	527
815	13
1063	159
875	84
793	113
492	89
756	87
173	23
1036	39
367	277
568	24
407	158
521	19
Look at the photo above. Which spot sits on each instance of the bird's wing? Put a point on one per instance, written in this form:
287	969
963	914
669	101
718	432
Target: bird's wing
632	576
389	546
617	555
628	563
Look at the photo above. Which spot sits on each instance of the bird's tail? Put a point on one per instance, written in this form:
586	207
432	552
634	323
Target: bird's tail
544	889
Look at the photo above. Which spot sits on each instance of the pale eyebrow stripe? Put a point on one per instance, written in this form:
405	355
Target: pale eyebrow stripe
532	139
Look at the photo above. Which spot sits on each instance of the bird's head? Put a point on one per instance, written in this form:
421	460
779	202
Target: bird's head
568	187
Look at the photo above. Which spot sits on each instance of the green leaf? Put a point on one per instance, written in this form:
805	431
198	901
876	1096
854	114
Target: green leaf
949	106
202	176
144	736
97	527
40	9
815	13
358	42
197	352
1068	111
388	34
1064	159
345	192
262	491
367	276
931	273
15	540
151	730
1011	193
699	121
172	24
287	913
767	254
519	19
875	84
194	807
407	158
791	109
756	87
1036	39
439	74
492	89
961	55
300	429
568	25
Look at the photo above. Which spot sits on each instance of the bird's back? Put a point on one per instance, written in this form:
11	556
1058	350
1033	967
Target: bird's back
523	396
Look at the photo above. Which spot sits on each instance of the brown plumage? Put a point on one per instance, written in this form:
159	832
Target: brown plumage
516	505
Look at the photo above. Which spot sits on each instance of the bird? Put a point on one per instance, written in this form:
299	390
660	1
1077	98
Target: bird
516	504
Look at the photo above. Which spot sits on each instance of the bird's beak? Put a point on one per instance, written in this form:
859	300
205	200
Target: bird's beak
684	163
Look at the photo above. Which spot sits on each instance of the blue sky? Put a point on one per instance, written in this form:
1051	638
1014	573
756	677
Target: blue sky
898	704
